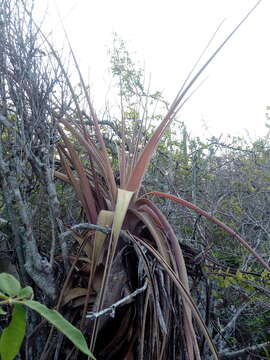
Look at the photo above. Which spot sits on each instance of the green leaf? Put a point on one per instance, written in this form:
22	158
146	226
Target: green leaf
3	296
2	312
13	335
215	294
27	292
239	275
61	324
9	285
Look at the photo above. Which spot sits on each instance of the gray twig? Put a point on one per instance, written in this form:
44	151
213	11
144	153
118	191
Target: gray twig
111	309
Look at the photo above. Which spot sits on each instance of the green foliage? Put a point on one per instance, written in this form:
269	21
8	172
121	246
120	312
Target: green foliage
61	324
252	283
130	78
140	109
12	337
13	295
9	285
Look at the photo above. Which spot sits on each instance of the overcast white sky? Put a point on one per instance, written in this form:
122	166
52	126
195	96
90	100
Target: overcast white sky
167	37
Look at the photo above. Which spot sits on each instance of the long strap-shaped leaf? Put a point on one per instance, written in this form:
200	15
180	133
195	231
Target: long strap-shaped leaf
105	218
177	259
185	295
140	168
61	324
107	163
99	158
99	136
215	221
123	200
86	193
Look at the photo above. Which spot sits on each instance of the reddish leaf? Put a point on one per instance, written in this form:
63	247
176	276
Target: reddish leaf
215	221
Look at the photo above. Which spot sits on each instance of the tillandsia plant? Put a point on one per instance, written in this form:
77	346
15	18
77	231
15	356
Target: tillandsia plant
131	245
135	266
18	298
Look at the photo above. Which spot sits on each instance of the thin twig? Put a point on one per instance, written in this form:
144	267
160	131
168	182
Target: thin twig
111	309
243	352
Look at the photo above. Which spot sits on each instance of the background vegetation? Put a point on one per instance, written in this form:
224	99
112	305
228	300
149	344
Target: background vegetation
173	281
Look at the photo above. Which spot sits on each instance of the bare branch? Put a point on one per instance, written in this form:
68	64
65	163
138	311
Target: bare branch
111	309
243	352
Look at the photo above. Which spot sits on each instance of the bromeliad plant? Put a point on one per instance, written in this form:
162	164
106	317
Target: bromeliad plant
131	244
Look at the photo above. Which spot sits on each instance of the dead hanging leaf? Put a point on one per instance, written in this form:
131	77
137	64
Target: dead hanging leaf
97	279
72	294
122	338
186	295
85	268
123	200
122	203
87	246
80	301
